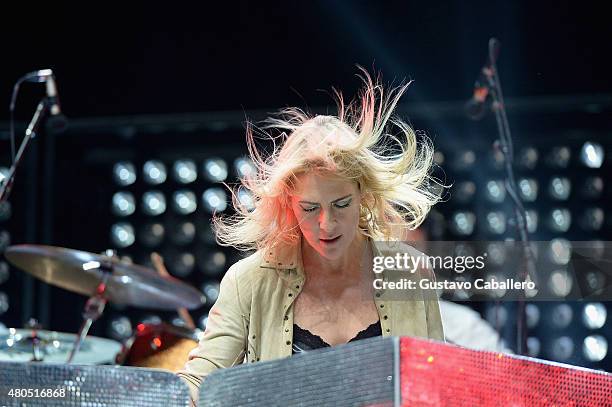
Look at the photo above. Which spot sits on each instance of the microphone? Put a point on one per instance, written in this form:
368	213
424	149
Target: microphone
57	122
476	106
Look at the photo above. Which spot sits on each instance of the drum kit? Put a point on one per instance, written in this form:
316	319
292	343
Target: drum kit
103	278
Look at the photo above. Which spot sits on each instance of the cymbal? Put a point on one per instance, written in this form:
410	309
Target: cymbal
128	284
16	345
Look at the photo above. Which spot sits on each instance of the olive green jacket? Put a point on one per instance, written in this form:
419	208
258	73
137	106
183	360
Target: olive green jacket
252	319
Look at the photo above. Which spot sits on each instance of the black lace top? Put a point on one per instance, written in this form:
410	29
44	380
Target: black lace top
304	340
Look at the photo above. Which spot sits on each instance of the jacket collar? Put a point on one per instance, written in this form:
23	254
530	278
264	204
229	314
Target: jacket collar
287	257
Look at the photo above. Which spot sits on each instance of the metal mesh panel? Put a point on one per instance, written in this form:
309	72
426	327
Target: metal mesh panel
356	374
435	374
90	386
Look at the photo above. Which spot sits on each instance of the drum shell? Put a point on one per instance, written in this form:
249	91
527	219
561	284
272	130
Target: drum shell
160	346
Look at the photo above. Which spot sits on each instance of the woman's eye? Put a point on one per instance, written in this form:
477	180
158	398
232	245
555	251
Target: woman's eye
310	209
343	204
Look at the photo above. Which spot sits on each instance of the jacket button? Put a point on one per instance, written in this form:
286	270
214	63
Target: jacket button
286	317
382	305
378	294
288	342
253	336
252	360
286	330
258	359
385	317
388	330
297	286
249	352
290	295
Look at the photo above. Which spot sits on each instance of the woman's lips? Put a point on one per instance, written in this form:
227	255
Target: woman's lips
331	241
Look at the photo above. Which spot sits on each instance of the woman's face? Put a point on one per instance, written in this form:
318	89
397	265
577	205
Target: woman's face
327	210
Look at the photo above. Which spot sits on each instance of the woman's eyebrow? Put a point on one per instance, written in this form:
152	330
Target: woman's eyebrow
334	201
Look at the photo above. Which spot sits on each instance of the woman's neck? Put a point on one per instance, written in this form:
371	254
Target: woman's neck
347	266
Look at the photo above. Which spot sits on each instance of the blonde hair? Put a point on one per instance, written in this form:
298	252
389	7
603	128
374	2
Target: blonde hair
393	174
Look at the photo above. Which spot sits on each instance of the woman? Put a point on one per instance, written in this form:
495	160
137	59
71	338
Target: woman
331	187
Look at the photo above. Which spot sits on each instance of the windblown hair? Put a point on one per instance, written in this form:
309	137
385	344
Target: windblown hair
393	171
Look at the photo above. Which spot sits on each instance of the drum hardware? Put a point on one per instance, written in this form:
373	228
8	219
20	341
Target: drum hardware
17	345
103	278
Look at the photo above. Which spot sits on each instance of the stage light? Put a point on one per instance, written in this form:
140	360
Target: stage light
5	240
534	346
182	264
184	202
595	348
594	315
123	204
178	321
124	173
4	172
203	321
154	172
497	316
528	189
496	222
211	262
244	167
595	281
215	170
532	313
4	303
182	233
4	272
592	219
497	159
528	158
246	199
562	348
499	292
560	220
463	223
464	191
560	251
464	160
593	187
559	188
562	316
495	191
150	320
5	211
122	235
151	234
439	157
560	283
532	220
592	154
496	253
214	200
153	203
559	157
120	328
211	291
185	171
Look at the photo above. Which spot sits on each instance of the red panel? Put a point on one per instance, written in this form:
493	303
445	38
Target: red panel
437	374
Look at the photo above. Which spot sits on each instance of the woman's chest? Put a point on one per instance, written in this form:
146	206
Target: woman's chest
335	318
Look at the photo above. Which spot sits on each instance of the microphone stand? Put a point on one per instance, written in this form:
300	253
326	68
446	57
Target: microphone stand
504	144
30	133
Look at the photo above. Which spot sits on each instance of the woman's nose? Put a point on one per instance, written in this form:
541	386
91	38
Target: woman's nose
326	219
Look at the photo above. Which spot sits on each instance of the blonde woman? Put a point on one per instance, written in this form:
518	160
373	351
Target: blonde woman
331	187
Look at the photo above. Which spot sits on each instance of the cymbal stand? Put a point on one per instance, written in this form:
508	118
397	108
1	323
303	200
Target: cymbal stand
93	309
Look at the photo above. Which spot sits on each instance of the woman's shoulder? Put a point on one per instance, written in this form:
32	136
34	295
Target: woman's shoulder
249	270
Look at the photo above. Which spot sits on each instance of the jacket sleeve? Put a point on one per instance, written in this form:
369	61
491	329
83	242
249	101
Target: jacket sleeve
224	341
